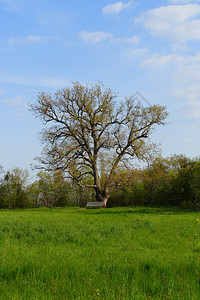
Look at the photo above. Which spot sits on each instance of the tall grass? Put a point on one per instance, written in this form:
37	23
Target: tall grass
118	253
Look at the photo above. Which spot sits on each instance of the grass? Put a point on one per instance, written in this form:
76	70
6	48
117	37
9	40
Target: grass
115	253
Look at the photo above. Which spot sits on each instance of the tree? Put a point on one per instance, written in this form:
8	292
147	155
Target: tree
49	189
186	181
157	178
89	134
13	189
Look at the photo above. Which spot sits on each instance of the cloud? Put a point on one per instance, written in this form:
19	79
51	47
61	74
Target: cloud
30	39
187	86
126	40
54	82
116	8
34	39
192	95
55	19
177	23
158	60
181	74
194	109
97	37
136	52
183	1
94	37
14	101
12	5
188	74
35	81
12	41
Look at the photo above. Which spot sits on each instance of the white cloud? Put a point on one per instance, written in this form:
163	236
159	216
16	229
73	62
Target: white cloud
126	40
13	41
158	60
174	58
53	18
181	73
135	39
192	95
94	37
136	52
188	88
34	38
183	1
97	37
188	75
14	101
12	5
178	23
35	81
116	8
54	82
194	109
188	60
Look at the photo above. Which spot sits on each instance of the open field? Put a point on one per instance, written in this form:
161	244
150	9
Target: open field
115	253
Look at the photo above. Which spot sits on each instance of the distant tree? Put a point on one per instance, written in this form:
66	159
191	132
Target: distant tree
13	189
195	183
89	134
157	178
50	188
186	181
124	188
1	180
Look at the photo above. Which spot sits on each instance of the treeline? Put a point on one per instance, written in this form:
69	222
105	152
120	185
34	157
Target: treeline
165	181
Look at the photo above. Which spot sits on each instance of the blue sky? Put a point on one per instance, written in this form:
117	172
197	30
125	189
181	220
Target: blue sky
147	46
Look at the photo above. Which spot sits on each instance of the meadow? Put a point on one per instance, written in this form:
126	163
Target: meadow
114	253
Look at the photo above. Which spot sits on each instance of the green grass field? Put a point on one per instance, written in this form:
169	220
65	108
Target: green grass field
115	253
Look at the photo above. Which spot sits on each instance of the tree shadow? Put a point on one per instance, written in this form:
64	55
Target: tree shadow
155	210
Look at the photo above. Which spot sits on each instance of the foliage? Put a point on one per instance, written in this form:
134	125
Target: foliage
90	134
164	181
52	190
12	189
185	185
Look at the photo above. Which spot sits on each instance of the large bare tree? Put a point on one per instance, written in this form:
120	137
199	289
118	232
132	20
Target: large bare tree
89	133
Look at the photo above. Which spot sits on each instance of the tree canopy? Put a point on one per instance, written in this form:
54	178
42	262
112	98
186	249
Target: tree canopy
89	133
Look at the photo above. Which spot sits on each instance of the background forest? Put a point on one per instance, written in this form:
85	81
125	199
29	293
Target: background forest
164	181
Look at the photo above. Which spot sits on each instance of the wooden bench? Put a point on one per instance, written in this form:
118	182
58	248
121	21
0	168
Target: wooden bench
94	205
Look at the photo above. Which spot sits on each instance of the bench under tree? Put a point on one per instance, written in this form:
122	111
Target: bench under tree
94	205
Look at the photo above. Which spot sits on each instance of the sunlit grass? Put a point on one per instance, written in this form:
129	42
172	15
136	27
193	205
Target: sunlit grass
116	253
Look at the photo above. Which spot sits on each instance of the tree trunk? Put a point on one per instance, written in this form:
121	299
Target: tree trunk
104	201
102	196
